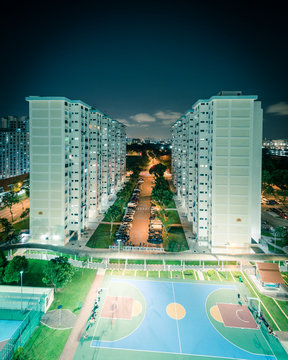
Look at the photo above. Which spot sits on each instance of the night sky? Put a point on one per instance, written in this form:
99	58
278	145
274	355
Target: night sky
142	62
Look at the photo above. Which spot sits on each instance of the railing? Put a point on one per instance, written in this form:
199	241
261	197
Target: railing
136	248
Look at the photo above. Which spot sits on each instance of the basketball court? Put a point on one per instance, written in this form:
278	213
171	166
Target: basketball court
183	320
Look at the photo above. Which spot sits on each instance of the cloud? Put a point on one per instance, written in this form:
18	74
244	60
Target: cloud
143	117
168	116
280	108
124	121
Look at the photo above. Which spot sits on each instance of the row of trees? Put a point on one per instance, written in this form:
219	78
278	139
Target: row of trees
115	212
161	192
274	173
58	272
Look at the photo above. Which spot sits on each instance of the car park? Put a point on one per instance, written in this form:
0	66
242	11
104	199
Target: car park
271	202
284	215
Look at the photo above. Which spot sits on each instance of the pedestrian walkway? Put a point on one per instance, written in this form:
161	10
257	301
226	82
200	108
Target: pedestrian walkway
77	331
200	275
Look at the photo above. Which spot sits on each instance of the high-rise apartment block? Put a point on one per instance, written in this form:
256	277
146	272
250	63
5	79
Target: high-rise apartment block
14	146
216	165
77	163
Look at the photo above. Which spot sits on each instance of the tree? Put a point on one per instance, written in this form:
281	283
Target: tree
3	264
12	237
26	187
16	187
283	194
158	170
25	213
8	200
6	225
267	189
12	270
58	272
112	213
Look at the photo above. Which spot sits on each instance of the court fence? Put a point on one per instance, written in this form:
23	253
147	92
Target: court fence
29	317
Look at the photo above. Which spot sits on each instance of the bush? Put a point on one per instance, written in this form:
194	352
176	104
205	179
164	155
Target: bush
25	213
210	272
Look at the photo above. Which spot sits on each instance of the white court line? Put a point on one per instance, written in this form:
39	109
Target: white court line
180	347
247	321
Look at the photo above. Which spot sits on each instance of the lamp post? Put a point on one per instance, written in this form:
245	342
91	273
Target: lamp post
21	277
119	241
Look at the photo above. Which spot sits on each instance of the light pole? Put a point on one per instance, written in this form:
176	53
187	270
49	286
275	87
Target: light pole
275	239
21	277
119	241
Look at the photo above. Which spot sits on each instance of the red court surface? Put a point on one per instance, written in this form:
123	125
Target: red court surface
117	307
235	315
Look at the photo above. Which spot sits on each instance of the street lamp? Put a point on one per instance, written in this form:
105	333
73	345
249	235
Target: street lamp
119	241
21	277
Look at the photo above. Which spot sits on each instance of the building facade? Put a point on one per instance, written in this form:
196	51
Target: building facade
216	164
71	167
14	146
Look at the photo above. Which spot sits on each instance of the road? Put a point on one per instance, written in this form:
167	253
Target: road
272	218
140	224
17	210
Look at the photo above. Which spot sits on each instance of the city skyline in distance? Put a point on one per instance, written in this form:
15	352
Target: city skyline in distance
145	66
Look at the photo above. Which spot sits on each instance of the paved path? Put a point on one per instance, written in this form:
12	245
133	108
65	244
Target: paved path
17	210
140	224
77	331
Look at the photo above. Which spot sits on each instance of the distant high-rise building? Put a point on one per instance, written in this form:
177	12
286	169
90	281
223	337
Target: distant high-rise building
278	147
216	166
14	146
77	164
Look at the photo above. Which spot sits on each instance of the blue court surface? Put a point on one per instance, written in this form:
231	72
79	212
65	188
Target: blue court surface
7	328
196	333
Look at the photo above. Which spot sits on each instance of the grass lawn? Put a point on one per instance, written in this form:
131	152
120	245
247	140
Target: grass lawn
118	272
116	261
189	274
153	274
101	237
22	224
46	343
177	240
177	275
197	262
171	205
165	274
172	217
173	262
76	291
225	275
285	277
272	248
154	262
212	275
129	272
141	273
137	262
